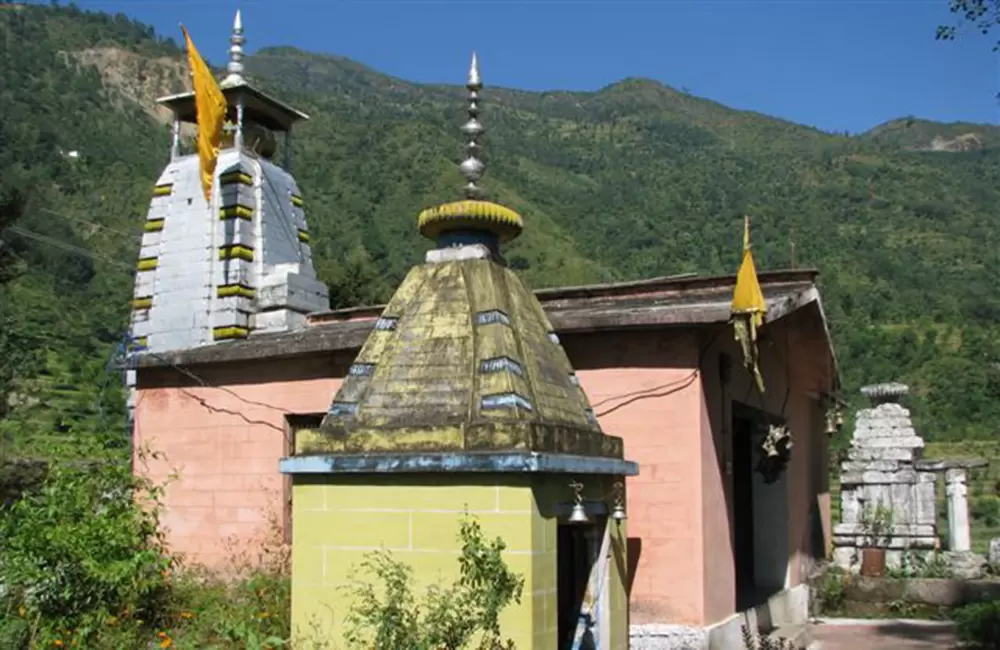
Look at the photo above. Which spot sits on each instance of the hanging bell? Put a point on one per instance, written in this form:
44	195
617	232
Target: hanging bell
578	515
831	423
618	512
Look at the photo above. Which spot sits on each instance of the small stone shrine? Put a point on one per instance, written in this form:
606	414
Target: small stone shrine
883	469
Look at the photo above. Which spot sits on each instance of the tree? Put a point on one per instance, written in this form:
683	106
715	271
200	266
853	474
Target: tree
12	204
984	15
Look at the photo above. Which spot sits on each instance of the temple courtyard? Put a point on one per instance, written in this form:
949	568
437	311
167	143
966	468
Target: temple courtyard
852	634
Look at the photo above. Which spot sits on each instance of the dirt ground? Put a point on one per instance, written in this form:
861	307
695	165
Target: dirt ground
893	635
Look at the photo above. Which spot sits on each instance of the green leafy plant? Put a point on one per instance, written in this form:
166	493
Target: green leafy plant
754	641
921	565
831	589
449	618
84	549
877	522
979	625
902	608
985	510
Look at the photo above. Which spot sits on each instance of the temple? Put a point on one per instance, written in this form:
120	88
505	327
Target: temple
241	262
612	434
462	402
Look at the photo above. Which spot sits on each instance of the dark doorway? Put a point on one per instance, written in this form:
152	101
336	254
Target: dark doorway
760	513
574	556
743	528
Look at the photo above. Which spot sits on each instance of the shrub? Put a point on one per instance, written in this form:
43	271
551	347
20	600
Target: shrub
450	617
979	625
83	551
250	612
985	510
830	589
921	565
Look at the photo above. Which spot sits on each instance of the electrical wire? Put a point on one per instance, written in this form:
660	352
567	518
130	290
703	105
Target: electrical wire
72	248
137	236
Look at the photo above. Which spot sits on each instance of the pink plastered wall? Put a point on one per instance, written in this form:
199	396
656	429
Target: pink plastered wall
796	366
644	387
220	439
215	443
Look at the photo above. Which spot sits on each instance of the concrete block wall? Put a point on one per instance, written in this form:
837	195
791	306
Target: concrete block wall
217	449
340	520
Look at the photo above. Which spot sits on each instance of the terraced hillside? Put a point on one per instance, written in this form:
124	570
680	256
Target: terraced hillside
636	180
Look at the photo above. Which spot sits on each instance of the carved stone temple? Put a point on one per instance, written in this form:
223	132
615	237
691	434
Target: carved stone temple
884	468
881	469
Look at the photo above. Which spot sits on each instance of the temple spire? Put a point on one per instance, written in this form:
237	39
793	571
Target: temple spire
234	68
471	220
472	167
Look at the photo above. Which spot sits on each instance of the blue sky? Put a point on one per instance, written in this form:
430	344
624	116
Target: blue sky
835	64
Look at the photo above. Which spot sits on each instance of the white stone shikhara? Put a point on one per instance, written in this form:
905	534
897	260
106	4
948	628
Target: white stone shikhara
187	301
239	262
959	538
881	468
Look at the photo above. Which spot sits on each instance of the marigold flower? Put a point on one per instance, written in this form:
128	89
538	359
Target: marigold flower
166	643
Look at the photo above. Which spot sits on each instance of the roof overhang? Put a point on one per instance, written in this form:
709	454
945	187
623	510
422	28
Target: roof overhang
267	110
680	301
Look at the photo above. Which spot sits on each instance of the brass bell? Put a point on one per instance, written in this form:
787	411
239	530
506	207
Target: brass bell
578	515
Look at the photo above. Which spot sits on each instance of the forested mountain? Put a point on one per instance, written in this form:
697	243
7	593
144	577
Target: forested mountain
635	180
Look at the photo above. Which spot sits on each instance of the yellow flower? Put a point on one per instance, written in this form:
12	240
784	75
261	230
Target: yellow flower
187	614
166	643
58	643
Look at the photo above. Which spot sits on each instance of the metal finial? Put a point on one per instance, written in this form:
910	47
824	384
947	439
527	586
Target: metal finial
235	66
472	167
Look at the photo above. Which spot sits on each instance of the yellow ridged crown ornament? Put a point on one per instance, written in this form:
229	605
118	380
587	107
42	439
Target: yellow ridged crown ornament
472	215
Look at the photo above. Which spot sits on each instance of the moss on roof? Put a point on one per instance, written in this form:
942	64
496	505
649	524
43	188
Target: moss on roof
462	359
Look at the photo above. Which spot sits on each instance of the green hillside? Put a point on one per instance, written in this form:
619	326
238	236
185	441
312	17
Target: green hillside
635	180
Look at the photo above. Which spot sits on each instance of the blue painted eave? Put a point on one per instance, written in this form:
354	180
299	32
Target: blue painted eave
507	463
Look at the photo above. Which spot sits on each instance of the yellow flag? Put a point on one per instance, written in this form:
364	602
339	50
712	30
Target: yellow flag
748	309
210	104
747	296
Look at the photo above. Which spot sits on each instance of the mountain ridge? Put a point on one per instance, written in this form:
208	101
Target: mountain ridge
634	180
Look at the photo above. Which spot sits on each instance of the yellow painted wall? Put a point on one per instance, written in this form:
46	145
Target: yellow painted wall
339	519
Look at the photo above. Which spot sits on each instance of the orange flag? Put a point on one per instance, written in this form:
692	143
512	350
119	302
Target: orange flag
210	104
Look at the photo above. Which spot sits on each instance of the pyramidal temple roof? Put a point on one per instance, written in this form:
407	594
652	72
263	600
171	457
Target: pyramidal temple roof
463	358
